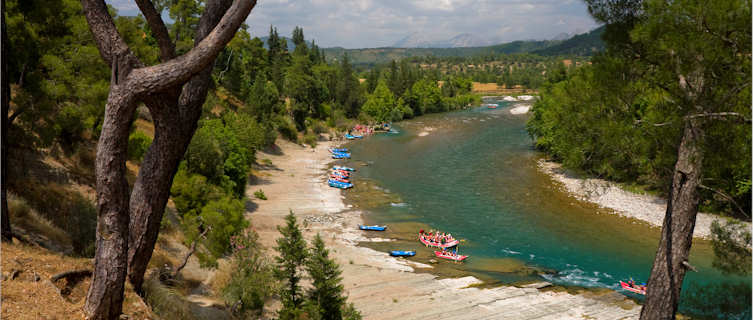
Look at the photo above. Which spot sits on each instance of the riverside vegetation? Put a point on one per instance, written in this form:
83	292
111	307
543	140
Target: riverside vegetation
666	106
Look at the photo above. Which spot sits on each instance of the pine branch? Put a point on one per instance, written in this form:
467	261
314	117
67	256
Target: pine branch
159	30
726	197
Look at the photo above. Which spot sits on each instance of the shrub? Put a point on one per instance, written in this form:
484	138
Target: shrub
259	194
310	139
222	219
191	192
287	128
252	281
138	143
204	155
318	127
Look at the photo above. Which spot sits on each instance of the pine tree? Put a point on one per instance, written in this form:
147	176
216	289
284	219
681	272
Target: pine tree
327	293
293	255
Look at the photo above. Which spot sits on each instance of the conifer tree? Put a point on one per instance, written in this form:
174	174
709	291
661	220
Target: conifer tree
292	249
327	293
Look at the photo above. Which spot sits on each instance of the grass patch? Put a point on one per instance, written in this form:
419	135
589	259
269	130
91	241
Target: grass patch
259	194
24	217
166	302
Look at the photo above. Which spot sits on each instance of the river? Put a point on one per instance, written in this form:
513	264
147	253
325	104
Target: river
474	173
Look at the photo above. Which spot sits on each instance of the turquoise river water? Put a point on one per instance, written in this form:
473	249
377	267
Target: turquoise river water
474	174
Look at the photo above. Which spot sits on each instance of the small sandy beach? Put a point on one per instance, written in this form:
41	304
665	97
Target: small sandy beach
650	209
383	287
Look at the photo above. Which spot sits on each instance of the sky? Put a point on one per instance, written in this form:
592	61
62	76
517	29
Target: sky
381	23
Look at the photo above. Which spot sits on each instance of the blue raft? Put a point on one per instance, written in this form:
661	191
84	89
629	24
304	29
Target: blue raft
338	184
339	155
336	150
343	168
351	137
373	228
401	253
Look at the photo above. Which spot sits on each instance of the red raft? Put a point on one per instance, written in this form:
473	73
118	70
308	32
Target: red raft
424	238
639	289
449	255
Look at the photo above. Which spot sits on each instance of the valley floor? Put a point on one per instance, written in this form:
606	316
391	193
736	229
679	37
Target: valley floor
382	287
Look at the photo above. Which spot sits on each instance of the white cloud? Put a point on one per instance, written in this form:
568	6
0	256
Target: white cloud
370	23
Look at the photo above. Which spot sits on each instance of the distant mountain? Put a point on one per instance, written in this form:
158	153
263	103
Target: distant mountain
585	44
562	36
467	40
580	45
418	40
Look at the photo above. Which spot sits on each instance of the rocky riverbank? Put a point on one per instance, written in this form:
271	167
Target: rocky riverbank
609	195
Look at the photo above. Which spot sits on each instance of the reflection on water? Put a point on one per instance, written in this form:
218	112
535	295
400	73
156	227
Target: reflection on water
478	180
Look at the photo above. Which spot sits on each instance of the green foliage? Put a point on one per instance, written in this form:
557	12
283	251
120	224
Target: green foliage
252	280
310	139
69	125
718	300
327	291
138	143
286	127
191	192
204	155
222	219
292	257
426	97
259	194
731	243
264	98
306	91
350	312
382	105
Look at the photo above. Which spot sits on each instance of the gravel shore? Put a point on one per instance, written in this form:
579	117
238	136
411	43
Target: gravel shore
607	194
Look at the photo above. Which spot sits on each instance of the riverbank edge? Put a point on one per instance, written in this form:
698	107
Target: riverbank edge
373	280
609	195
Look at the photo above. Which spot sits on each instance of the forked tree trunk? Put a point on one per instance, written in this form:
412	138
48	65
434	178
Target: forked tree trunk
176	117
173	133
665	283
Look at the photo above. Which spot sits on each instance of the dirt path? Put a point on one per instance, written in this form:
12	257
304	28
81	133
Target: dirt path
383	287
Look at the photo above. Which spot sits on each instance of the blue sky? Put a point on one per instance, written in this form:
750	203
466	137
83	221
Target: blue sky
379	23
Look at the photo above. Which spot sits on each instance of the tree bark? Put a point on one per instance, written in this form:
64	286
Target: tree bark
105	297
665	283
5	232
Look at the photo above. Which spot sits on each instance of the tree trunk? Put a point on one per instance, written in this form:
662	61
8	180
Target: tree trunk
665	283
105	297
158	87
6	233
173	133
